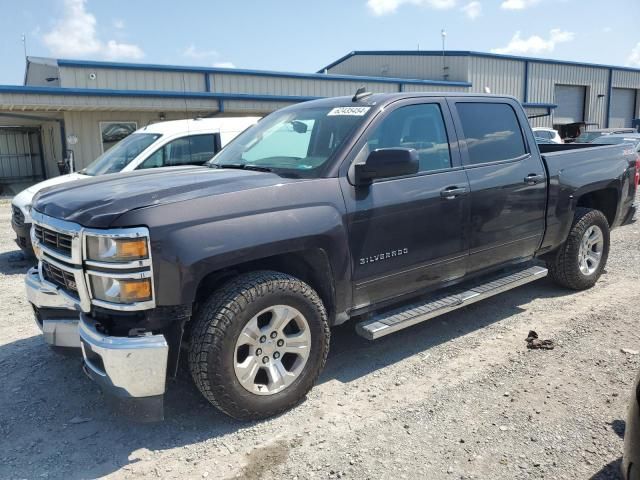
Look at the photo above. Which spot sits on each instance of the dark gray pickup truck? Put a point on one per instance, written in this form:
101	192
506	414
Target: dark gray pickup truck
388	209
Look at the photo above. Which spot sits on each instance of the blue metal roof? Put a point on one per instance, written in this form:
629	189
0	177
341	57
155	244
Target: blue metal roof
463	53
86	92
259	73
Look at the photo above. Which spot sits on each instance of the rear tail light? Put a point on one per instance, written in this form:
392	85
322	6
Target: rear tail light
638	170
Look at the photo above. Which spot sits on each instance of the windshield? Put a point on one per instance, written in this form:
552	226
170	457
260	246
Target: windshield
121	154
296	142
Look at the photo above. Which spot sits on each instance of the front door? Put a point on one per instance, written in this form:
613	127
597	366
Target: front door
507	179
408	233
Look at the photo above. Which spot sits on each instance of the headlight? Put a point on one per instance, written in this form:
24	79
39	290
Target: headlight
121	290
108	249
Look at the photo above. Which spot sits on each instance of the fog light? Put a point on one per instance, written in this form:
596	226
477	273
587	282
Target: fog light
121	290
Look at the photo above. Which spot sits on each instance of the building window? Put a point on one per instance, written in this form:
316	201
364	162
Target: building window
112	132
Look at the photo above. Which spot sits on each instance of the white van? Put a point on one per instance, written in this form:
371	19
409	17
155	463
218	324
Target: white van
164	144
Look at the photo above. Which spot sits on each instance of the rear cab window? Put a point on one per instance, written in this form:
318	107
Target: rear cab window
492	132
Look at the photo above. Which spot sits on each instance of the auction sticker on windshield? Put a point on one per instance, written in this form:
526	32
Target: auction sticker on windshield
356	111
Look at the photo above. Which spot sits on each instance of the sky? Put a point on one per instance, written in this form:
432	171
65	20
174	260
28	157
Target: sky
304	36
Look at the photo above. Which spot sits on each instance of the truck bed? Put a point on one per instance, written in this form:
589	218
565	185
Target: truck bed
575	168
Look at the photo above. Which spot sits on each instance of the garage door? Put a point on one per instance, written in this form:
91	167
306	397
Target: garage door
20	157
623	105
570	101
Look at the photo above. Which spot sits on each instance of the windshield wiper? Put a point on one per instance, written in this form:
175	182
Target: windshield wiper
243	166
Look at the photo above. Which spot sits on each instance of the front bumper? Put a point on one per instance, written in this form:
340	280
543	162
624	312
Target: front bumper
55	315
631	457
132	371
23	236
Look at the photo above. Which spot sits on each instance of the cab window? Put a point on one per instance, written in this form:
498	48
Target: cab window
492	132
420	127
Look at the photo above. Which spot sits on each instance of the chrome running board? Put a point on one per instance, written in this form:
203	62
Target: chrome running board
417	312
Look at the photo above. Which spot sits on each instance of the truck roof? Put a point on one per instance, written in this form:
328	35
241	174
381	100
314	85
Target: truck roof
199	124
378	99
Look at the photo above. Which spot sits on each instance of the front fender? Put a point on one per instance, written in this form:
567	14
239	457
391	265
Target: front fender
190	240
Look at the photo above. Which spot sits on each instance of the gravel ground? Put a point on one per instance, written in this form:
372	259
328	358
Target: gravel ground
457	397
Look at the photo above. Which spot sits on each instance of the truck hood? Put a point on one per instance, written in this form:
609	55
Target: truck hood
98	201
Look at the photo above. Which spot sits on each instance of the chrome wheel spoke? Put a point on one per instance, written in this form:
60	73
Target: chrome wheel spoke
250	334
281	316
247	371
298	344
278	376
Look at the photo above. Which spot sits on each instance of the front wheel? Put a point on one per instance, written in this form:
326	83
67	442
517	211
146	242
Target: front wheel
258	344
579	262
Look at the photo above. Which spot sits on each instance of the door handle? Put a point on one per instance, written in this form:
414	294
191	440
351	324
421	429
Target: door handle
533	178
452	192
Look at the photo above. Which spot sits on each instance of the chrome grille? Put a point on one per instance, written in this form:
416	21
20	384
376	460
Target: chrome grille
60	278
18	216
60	242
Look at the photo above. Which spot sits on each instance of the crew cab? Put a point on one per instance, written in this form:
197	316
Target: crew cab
387	209
172	143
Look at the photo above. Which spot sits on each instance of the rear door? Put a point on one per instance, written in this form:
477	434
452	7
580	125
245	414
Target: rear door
507	181
407	233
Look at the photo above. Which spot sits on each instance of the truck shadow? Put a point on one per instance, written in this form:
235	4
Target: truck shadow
15	263
352	356
54	415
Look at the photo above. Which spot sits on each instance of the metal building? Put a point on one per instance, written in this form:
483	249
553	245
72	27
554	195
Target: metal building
85	99
90	100
554	92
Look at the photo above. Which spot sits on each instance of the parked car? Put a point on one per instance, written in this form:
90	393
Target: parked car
618	138
390	209
547	134
631	457
172	143
589	136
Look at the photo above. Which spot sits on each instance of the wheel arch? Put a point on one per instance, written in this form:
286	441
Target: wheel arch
605	200
312	266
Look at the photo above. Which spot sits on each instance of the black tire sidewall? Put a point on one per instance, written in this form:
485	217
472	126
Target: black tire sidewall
224	366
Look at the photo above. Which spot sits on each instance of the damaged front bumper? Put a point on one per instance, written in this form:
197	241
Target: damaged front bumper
131	371
55	315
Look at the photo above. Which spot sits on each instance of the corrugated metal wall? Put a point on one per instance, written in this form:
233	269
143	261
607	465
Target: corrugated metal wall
260	85
503	77
544	77
404	66
120	79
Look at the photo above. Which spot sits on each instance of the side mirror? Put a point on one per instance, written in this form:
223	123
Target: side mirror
386	163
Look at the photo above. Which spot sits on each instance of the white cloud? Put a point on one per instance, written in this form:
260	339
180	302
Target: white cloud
518	4
633	60
535	44
193	52
472	9
384	7
224	65
75	36
118	24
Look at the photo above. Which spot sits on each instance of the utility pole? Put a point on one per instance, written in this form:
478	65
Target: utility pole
24	45
443	34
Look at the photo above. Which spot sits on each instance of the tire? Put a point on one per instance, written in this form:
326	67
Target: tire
565	266
228	313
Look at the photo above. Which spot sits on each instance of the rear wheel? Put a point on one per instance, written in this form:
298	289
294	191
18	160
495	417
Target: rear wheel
579	262
258	344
